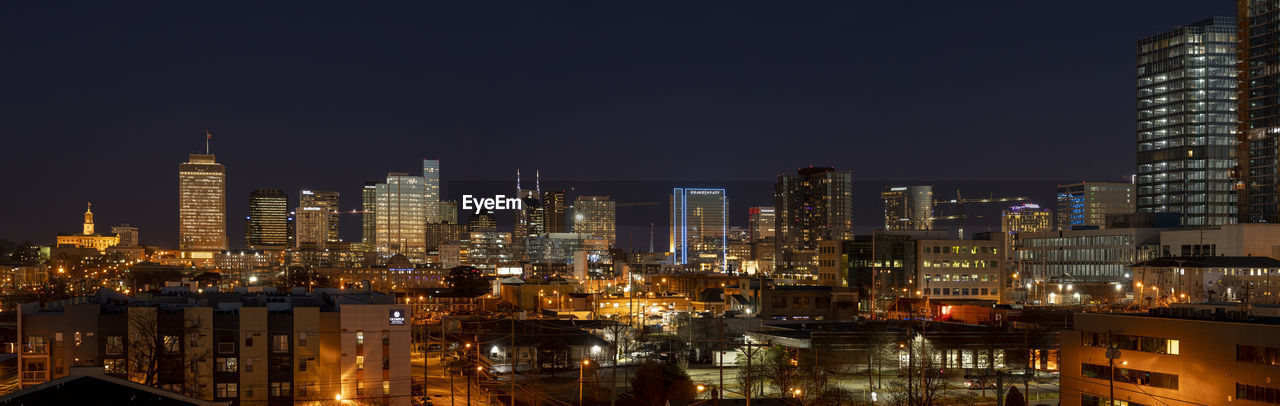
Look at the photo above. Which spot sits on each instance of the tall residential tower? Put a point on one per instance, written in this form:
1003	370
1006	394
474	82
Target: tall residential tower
202	205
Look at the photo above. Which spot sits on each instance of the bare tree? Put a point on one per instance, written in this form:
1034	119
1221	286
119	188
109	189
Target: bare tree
143	348
923	383
781	369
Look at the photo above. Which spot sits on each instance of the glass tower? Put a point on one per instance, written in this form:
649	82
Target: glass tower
908	207
596	216
699	227
431	189
368	206
267	227
1187	124
327	201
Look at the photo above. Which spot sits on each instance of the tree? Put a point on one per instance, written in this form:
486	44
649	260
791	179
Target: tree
923	383
751	374
1014	398
781	369
656	383
467	280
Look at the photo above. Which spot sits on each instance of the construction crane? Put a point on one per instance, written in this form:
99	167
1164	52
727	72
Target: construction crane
960	202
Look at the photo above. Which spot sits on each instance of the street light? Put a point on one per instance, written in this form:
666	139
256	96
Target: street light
796	391
581	370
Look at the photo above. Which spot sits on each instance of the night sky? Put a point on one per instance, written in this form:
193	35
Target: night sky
101	103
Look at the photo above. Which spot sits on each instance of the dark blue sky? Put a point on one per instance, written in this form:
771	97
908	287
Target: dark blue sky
100	101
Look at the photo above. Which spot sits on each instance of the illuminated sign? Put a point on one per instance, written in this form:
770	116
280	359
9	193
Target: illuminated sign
396	318
499	202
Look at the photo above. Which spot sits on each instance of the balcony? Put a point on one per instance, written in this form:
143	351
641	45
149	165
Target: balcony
34	377
34	348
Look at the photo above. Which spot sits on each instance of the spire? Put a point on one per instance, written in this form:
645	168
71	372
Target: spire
88	219
517	182
537	182
207	136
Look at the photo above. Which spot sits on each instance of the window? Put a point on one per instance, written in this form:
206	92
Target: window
279	389
172	344
302	339
1258	355
115	345
1134	376
302	363
359	337
114	366
225	390
359	388
227	348
1133	343
225	365
386	387
248	341
280	343
359	362
1257	393
248	364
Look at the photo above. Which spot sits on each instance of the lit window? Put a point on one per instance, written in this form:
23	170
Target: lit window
359	362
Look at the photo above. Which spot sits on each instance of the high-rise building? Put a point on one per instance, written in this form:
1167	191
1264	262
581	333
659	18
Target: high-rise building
267	226
908	207
553	211
1187	122
449	212
128	234
699	227
815	204
431	194
326	200
202	206
760	223
368	216
596	216
401	217
1257	118
312	227
1023	218
1087	204
529	219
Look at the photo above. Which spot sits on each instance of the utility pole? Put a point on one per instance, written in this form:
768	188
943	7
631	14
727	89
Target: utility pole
512	358
1112	354
751	375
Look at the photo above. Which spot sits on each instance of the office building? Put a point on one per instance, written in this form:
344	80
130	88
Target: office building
815	204
1087	204
401	217
267	226
1233	240
1187	122
87	237
761	223
908	207
961	269
202	206
1257	121
482	221
441	233
235	348
312	228
1184	355
699	230
128	234
325	200
553	211
596	216
368	213
1097	256
449	212
1014	221
488	250
431	187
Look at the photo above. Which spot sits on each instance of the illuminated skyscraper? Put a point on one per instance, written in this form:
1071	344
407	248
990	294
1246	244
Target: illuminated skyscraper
312	227
699	227
1257	121
908	207
553	210
761	223
368	208
128	234
267	226
1187	124
1087	204
596	216
449	212
815	204
431	189
202	210
401	217
328	201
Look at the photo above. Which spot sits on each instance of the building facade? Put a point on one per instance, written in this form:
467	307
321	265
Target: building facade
368	213
596	216
267	226
815	204
908	207
431	189
699	227
1087	204
328	201
401	217
553	203
1257	112
1187	122
202	208
761	223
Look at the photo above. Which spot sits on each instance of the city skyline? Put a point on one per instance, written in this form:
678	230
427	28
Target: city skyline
244	136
